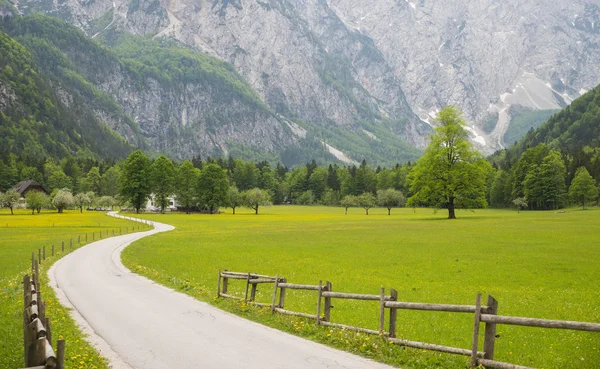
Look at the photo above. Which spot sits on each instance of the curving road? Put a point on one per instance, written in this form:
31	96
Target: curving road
138	324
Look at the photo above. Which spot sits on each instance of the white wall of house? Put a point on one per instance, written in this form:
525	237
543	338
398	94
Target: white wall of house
152	204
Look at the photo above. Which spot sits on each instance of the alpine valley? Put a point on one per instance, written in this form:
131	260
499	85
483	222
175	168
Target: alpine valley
295	80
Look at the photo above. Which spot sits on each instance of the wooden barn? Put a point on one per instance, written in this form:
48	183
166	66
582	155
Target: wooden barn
29	185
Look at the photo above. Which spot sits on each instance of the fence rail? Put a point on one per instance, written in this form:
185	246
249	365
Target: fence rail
487	314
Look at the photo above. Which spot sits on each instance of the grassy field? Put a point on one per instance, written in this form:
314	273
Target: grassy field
536	264
20	234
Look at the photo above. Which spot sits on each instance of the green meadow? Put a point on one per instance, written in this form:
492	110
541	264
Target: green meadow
536	264
21	234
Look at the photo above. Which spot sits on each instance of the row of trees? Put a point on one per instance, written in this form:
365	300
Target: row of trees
451	174
59	200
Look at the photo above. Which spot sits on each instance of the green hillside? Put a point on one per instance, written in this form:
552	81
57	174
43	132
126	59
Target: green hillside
574	127
34	119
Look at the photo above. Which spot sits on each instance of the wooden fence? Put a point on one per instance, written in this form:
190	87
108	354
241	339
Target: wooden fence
487	314
37	332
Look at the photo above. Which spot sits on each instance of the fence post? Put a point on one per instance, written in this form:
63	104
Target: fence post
274	294
93	236
32	259
44	253
247	285
393	313
253	291
219	285
52	250
225	283
100	234
41	307
26	290
48	329
327	306
282	295
382	310
490	330
36	278
319	303
40	255
25	339
60	354
476	331
86	237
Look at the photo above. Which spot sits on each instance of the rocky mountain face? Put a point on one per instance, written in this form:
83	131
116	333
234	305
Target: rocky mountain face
362	74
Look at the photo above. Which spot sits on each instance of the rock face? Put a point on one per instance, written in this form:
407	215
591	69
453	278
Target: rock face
375	65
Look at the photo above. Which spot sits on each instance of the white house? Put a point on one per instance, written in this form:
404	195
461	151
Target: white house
152	204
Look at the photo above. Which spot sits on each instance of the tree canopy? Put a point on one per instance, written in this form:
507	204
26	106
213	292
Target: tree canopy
135	182
451	174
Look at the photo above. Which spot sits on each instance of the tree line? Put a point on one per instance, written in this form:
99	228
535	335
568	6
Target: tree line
450	175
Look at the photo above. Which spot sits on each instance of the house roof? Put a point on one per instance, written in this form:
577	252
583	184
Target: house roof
24	186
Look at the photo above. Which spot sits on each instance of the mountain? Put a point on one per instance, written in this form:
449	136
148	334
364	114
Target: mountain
39	119
362	75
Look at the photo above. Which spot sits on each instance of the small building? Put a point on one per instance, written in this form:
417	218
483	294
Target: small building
24	187
152	204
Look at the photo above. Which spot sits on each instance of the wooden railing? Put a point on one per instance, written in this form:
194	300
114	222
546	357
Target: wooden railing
37	332
482	314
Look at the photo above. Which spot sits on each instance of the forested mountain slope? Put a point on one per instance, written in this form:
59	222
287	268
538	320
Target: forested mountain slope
545	161
41	119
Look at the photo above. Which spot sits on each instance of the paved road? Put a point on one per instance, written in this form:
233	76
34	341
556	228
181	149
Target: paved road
139	324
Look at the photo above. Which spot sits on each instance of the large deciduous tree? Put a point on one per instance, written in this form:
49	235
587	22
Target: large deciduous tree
451	174
185	189
162	180
135	184
583	187
212	187
349	201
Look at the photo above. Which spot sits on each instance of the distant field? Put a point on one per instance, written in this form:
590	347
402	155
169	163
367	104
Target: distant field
536	264
20	234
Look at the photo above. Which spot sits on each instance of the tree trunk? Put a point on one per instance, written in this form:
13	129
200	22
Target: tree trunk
366	211
32	211
346	211
81	209
451	212
11	211
233	208
389	211
256	212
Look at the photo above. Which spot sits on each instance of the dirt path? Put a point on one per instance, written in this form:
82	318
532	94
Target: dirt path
139	324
